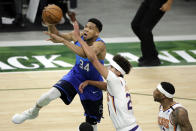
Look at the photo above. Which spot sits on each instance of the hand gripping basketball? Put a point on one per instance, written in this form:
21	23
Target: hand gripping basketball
52	14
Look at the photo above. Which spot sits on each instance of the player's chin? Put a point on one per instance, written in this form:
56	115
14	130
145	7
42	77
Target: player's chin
86	38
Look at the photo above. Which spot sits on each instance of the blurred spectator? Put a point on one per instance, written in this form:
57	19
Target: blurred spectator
19	19
73	5
12	10
6	10
147	16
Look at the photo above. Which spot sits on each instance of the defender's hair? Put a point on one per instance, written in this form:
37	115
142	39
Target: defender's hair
123	63
168	87
97	23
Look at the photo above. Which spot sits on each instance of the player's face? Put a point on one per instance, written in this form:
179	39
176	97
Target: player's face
157	95
114	70
90	31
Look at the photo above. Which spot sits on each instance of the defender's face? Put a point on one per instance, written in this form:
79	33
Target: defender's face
111	68
157	95
90	31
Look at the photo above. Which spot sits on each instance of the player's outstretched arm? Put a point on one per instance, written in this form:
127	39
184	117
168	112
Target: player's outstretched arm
90	52
180	117
52	29
76	49
99	84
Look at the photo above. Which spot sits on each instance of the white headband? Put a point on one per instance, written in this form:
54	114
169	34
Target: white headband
115	65
160	88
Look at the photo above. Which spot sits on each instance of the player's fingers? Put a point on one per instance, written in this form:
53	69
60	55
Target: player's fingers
47	33
81	89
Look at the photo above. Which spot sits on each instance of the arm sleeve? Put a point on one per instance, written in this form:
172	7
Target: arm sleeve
114	85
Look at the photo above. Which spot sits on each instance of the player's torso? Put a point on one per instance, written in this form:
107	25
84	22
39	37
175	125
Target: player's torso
120	110
164	119
85	68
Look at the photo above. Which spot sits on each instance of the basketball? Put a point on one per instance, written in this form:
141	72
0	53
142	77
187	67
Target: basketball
52	14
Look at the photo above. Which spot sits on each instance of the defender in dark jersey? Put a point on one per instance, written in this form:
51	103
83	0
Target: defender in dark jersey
67	87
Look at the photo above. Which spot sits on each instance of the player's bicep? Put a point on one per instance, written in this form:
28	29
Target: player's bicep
98	47
182	119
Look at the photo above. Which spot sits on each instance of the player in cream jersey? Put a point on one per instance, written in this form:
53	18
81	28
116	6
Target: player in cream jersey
164	118
119	101
172	116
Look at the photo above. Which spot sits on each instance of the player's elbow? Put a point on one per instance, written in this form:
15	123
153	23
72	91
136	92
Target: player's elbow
92	57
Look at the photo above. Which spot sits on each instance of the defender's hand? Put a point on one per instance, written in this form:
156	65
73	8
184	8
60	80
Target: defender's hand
76	29
72	16
82	86
165	7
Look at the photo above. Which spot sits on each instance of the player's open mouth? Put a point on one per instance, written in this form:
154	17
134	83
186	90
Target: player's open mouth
85	34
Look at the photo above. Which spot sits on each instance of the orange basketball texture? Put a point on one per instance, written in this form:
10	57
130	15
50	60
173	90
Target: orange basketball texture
52	14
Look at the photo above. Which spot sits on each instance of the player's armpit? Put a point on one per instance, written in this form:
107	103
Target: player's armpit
181	119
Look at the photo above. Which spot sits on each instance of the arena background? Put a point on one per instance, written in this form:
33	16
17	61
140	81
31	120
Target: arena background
24	75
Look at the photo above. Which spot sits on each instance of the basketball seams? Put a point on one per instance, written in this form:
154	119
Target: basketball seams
49	14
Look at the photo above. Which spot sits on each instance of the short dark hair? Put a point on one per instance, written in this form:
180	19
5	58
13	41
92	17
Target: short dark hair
97	23
85	126
123	63
168	87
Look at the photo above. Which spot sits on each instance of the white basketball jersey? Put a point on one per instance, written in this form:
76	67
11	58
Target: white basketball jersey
119	103
164	119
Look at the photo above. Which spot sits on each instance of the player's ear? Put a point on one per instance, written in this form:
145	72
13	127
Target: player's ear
117	72
97	33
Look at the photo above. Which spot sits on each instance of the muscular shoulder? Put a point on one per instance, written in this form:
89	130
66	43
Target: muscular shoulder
99	43
180	116
100	49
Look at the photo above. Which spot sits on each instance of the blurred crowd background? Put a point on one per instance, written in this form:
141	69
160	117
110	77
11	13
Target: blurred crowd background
26	14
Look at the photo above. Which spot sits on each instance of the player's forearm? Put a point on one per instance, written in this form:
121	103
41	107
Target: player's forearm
99	84
90	54
76	49
52	29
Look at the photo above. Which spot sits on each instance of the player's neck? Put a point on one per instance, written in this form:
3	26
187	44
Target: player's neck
167	103
90	41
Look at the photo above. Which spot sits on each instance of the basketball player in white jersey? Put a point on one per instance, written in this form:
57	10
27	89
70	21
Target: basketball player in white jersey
119	98
172	116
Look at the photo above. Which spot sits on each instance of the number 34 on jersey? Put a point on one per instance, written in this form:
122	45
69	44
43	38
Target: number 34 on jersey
84	66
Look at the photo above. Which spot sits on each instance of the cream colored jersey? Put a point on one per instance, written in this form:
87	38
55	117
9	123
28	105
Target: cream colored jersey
119	104
164	119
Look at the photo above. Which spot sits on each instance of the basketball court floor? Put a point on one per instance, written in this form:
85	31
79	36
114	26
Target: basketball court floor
20	90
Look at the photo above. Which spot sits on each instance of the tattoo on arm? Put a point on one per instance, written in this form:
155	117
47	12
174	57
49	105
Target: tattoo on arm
180	118
98	47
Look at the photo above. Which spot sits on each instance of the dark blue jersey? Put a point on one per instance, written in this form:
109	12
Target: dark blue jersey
84	70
